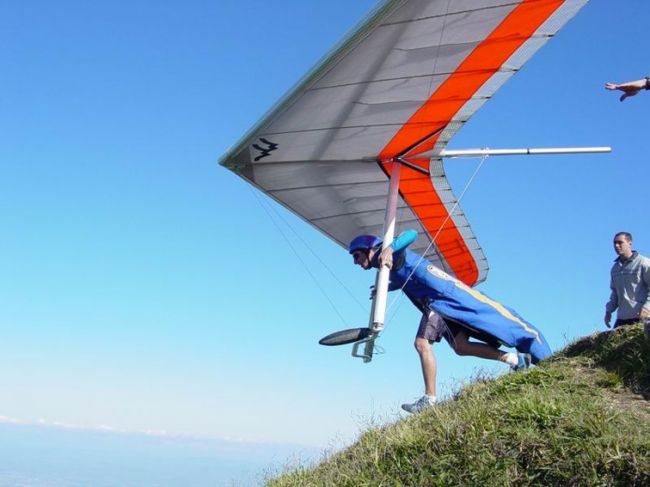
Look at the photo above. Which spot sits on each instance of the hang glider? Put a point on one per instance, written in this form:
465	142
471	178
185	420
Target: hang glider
396	89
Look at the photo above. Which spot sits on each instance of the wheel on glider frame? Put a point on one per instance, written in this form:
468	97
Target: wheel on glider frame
345	336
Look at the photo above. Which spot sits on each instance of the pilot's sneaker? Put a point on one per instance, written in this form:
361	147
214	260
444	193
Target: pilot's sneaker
523	361
419	405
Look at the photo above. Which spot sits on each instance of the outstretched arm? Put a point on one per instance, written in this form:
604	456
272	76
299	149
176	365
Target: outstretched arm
630	88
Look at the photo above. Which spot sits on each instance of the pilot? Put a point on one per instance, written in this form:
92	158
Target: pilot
450	310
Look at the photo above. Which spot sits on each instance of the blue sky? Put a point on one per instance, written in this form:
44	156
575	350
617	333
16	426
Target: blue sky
146	288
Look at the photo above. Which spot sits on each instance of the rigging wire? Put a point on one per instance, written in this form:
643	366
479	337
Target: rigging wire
399	300
268	208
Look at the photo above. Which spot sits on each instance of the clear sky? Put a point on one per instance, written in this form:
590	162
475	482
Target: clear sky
146	288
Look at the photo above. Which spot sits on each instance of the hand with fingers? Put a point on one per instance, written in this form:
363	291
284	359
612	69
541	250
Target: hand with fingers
630	88
386	257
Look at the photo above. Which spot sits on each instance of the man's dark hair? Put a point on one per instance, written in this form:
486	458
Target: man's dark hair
627	235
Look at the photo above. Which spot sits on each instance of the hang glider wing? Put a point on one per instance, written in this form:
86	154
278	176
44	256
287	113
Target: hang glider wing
400	85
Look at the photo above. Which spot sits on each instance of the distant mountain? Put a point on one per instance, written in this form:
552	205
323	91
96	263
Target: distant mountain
582	417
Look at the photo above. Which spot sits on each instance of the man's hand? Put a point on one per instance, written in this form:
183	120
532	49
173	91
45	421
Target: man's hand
630	88
608	318
644	314
386	257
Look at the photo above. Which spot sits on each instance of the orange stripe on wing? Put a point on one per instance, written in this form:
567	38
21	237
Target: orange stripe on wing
486	59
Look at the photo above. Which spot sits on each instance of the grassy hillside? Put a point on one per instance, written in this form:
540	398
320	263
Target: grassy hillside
581	418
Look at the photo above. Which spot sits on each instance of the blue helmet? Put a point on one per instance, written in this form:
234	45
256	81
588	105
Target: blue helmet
364	242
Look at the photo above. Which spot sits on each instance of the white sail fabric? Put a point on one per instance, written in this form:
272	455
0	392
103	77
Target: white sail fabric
400	85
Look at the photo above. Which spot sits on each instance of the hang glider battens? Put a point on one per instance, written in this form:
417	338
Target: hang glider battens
416	221
348	127
361	213
241	165
328	185
442	74
449	14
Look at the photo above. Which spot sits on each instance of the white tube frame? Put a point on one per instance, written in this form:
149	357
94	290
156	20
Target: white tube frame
378	312
518	152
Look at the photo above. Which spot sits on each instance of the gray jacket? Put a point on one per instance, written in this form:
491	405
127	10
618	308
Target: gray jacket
630	285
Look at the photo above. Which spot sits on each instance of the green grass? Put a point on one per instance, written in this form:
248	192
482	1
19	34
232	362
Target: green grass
580	418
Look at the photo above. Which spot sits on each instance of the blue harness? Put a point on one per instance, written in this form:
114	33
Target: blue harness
430	287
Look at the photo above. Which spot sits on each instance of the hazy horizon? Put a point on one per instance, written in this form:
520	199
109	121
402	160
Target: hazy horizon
56	456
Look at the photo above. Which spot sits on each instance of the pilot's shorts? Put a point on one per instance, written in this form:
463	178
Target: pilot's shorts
434	328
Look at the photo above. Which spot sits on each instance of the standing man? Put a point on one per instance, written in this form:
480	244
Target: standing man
630	284
451	310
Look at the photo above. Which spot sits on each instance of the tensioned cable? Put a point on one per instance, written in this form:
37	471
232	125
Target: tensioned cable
449	215
268	209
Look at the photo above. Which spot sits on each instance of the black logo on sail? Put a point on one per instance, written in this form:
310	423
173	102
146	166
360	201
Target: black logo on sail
264	151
